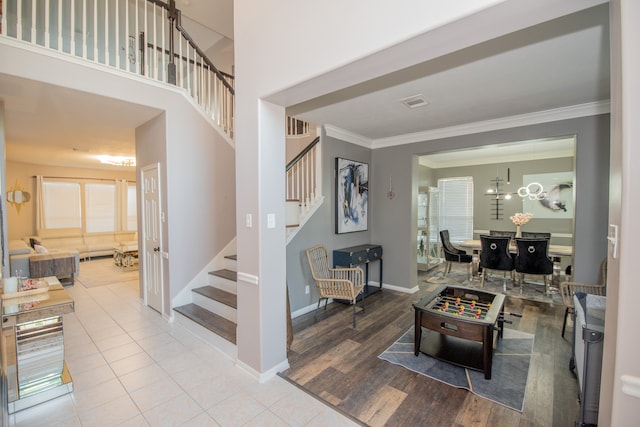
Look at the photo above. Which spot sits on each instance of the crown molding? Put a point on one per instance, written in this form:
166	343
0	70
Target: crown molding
347	136
564	113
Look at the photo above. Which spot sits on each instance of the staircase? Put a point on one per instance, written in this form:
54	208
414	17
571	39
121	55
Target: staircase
212	315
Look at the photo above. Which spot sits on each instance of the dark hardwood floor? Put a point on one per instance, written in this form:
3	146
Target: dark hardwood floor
340	365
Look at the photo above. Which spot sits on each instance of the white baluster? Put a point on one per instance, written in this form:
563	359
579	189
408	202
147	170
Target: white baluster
116	19
34	16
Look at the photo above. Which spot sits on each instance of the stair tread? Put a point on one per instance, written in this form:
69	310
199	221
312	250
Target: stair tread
226	274
233	257
211	321
224	297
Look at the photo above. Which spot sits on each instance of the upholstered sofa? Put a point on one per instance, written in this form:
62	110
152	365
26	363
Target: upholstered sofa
87	245
21	255
66	240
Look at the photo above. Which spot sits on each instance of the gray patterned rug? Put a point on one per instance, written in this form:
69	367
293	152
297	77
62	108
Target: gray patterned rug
532	290
510	368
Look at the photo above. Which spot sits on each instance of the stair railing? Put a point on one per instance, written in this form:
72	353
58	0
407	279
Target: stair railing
135	36
304	178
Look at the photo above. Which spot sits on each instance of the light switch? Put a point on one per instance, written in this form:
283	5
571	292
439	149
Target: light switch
248	221
271	220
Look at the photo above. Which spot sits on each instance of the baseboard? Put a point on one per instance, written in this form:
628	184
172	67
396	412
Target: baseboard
307	309
396	288
263	377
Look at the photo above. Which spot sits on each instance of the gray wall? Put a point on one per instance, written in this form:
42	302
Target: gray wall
483	216
392	222
320	229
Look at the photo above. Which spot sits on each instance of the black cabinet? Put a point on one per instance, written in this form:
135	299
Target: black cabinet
357	256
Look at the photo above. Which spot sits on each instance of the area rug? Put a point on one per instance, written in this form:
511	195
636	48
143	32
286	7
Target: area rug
509	374
102	272
458	277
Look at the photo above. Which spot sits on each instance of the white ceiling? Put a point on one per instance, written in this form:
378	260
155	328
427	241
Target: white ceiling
553	66
558	64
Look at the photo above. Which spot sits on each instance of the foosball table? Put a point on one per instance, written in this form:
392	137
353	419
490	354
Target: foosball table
460	325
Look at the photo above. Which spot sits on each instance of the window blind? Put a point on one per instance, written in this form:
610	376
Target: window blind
456	207
100	205
62	205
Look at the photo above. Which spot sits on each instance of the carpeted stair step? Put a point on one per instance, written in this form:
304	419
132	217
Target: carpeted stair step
210	321
219	295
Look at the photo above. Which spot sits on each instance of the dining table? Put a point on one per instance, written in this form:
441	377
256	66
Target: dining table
556	252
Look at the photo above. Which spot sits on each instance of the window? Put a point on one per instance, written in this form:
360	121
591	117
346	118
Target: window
62	206
100	207
92	206
132	214
456	207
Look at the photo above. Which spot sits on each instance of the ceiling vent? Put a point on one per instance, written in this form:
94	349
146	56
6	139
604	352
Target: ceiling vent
415	101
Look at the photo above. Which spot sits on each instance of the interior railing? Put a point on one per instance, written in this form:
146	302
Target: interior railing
303	177
143	37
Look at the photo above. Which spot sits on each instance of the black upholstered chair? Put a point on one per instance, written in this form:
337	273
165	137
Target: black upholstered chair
494	255
535	235
501	233
532	259
453	254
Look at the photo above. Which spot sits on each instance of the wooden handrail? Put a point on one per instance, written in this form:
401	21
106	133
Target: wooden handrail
297	158
172	9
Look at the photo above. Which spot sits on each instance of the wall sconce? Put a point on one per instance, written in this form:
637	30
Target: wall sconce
17	196
390	193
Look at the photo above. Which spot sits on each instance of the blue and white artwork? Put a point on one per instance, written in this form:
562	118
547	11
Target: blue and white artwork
352	195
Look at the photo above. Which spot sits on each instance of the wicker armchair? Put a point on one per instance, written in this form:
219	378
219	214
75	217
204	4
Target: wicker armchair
337	283
567	289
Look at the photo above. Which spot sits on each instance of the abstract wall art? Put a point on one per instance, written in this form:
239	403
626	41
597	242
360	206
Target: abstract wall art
554	195
352	195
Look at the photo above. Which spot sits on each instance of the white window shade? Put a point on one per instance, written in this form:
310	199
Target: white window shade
456	207
62	205
100	206
132	213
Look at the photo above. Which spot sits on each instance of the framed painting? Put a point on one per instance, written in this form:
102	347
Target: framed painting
352	195
548	195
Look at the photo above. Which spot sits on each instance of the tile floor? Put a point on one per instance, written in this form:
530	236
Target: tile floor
132	368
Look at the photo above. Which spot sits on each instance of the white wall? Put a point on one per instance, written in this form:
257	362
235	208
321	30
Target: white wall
199	162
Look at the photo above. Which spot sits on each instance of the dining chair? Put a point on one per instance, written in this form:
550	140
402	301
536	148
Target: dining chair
337	283
567	289
501	233
494	255
535	235
453	254
532	259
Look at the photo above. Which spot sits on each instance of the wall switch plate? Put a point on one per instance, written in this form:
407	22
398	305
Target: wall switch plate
271	220
307	290
248	220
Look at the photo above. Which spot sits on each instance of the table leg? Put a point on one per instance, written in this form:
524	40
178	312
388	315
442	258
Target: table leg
417	334
487	351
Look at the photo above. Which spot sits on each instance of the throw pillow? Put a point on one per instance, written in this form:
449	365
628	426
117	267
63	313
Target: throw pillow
33	242
40	249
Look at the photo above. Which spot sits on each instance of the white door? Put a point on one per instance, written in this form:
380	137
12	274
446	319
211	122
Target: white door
151	217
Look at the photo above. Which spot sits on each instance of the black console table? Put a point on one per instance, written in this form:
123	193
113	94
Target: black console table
358	255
